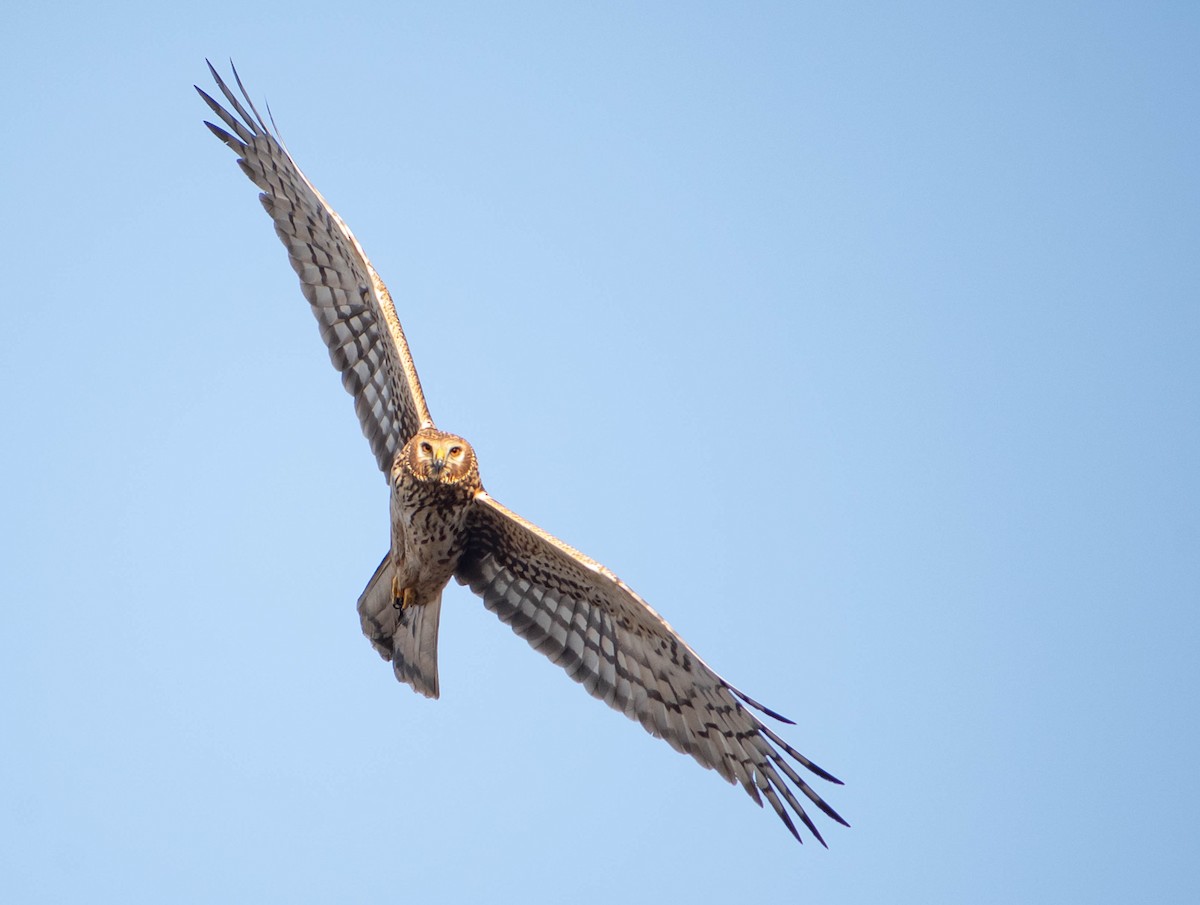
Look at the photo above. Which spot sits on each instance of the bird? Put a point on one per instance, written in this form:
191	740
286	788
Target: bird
445	525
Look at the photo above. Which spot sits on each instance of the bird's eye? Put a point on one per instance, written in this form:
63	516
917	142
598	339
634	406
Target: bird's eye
456	450
426	448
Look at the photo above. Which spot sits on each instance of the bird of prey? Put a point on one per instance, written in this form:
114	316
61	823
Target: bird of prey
445	525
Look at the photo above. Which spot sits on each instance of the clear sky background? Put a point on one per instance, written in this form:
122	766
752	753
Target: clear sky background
860	339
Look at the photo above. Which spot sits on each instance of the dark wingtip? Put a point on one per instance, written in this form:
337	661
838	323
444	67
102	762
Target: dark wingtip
830	812
787	821
778	716
225	137
762	708
824	774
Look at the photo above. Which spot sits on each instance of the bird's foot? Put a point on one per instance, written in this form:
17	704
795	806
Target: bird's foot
402	598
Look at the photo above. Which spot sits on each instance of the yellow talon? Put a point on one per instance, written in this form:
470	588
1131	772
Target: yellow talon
402	598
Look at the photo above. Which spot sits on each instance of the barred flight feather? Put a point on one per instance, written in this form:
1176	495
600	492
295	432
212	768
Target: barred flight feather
608	639
352	306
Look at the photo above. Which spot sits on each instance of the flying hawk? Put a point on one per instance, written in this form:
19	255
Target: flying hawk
444	524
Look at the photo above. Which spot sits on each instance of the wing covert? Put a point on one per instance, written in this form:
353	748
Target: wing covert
585	619
353	308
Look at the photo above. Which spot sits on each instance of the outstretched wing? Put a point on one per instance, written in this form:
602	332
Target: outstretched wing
357	318
585	619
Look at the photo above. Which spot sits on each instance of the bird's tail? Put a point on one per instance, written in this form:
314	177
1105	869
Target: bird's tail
407	637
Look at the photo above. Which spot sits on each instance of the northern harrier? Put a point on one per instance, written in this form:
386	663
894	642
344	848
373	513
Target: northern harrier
444	524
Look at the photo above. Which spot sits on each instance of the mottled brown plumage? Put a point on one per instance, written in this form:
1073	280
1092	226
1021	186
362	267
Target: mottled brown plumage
435	479
569	607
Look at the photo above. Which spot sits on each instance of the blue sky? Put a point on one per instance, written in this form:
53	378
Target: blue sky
907	293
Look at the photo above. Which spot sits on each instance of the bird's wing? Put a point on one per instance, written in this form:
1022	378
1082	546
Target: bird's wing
585	619
357	318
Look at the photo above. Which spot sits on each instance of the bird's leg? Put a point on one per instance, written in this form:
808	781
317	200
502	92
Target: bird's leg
402	598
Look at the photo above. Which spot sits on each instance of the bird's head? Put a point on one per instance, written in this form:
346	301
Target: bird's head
437	457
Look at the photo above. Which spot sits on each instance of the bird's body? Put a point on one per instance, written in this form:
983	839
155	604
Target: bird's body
432	495
444	525
434	482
